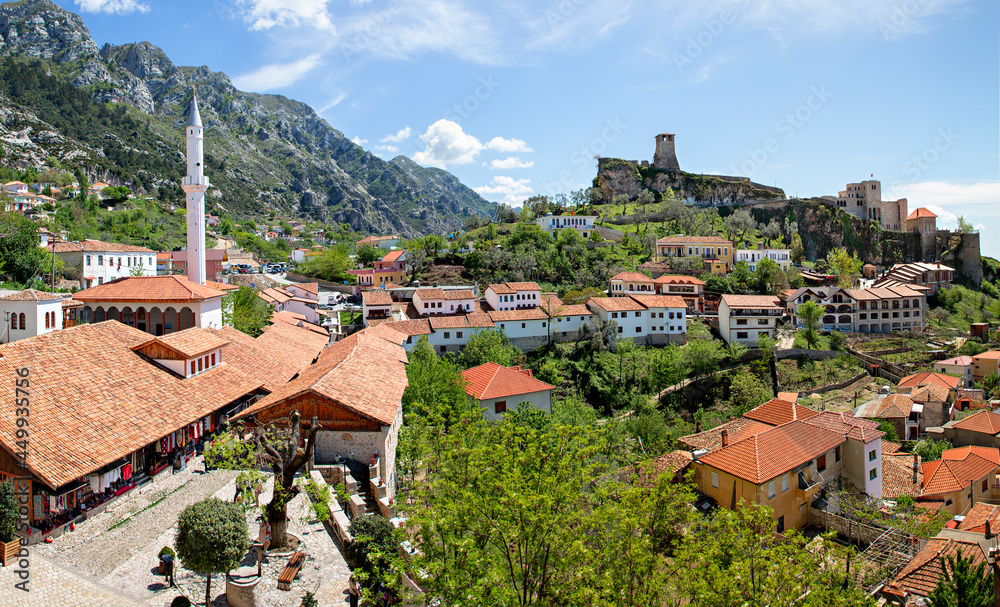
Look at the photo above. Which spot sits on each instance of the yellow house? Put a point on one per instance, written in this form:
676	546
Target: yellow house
786	466
702	248
983	364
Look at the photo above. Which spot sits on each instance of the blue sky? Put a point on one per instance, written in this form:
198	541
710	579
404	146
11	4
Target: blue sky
516	98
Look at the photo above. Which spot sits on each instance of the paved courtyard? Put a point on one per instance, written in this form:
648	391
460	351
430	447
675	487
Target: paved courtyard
111	559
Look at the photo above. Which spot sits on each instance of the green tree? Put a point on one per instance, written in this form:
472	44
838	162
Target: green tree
367	255
990	384
21	259
769	277
572	298
701	356
738	224
847	267
890	430
436	388
489	346
741	277
245	311
332	265
374	555
964	226
964	583
9	512
211	538
116	194
747	391
929	449
809	313
798	252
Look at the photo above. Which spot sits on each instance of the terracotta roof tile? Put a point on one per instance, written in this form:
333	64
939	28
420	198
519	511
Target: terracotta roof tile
490	380
176	289
693	239
448	322
679	280
897	475
712	439
458	294
631	277
929	378
764	456
189	343
429	293
975	519
922	212
98	246
845	424
363	373
252	359
751	301
524	286
376	297
930	393
393	255
31	295
615	304
922	573
894	405
659	301
94	400
776	412
418	326
984	422
988	355
517	315
956	470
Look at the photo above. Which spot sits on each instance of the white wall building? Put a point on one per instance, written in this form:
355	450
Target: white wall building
96	262
501	389
29	313
584	224
782	257
744	318
514	296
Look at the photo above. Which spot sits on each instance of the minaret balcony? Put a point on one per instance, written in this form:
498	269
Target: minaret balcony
195	181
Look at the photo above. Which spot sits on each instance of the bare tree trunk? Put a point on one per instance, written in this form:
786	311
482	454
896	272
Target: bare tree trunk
285	466
208	591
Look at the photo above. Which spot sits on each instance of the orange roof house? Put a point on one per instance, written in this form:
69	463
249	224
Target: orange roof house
499	389
959	473
922	574
921	213
776	412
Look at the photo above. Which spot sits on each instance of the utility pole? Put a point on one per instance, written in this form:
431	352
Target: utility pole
53	282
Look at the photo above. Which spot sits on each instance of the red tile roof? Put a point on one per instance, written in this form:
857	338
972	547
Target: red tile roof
957	468
393	255
98	246
927	377
922	573
221	286
524	286
659	301
616	304
418	326
363	373
751	301
930	393
712	439
490	380
975	519
845	424
94	400
458	294
764	456
693	240
920	213
517	315
429	293
153	289
308	287
631	277
552	305
894	405
988	355
679	280
189	343
31	295
376	297
897	475
448	322
984	422
776	412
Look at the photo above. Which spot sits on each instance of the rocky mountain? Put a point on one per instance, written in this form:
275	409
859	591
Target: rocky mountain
624	177
263	152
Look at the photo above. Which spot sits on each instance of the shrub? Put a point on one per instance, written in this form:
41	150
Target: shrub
166	551
180	601
8	512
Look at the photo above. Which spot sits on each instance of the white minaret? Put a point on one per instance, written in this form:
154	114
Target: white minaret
195	184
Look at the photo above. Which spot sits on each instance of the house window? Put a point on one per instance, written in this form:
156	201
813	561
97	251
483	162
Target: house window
213	359
458	334
872	455
500	407
444	349
13	321
986	484
638	329
741	321
88	260
523	325
836	453
949	502
200	365
770	490
781	524
100	260
715	479
22	318
619	329
784	482
192	367
821	463
46	320
614	315
741	335
447	335
638	314
873	474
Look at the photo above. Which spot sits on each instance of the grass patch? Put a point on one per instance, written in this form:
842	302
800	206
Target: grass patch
822	343
348	317
802	374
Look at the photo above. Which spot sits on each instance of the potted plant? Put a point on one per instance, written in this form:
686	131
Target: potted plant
10	543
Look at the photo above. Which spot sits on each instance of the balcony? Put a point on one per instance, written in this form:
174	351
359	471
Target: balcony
755	313
808	487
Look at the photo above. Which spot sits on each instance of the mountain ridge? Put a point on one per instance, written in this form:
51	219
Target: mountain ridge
263	152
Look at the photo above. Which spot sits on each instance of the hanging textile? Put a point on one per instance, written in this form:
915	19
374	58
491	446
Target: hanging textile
127	472
95	483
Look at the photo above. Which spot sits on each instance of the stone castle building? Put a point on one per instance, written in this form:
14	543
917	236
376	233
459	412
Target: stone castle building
665	156
864	201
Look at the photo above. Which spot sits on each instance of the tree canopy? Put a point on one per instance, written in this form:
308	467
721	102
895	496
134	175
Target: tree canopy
211	538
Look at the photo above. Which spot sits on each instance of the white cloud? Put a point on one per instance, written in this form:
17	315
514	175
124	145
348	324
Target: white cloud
112	6
446	143
514	191
943	215
276	76
499	144
386	148
511	162
400	135
332	103
359	141
265	14
944	194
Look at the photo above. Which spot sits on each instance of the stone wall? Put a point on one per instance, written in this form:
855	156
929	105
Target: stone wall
325	284
962	252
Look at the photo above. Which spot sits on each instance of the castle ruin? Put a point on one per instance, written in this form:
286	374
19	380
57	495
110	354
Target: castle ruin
665	156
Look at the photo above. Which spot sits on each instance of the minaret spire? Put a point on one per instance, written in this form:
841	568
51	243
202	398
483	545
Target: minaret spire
195	184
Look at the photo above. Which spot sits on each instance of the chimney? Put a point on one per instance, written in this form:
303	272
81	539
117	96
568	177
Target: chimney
989	532
725	438
916	467
697	427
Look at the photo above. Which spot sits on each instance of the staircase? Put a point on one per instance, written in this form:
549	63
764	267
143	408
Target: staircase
361	474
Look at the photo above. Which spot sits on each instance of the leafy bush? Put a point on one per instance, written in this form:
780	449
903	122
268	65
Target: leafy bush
180	601
319	497
166	551
8	512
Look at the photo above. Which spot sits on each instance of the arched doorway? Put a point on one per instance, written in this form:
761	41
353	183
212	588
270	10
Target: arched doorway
186	318
169	321
128	316
141	319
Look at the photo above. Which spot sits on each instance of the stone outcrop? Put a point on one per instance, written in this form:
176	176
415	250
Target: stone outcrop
616	177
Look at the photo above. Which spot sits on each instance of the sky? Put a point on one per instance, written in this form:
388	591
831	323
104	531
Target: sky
517	98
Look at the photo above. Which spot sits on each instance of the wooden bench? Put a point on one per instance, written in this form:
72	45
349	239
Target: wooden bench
291	570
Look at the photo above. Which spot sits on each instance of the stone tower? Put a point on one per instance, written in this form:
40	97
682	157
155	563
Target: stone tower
665	156
195	184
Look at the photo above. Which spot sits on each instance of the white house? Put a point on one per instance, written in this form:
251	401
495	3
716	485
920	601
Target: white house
666	318
514	296
99	262
500	389
627	283
376	305
299	254
782	257
15	187
566	320
434	301
527	329
630	315
743	318
29	313
305	290
584	224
